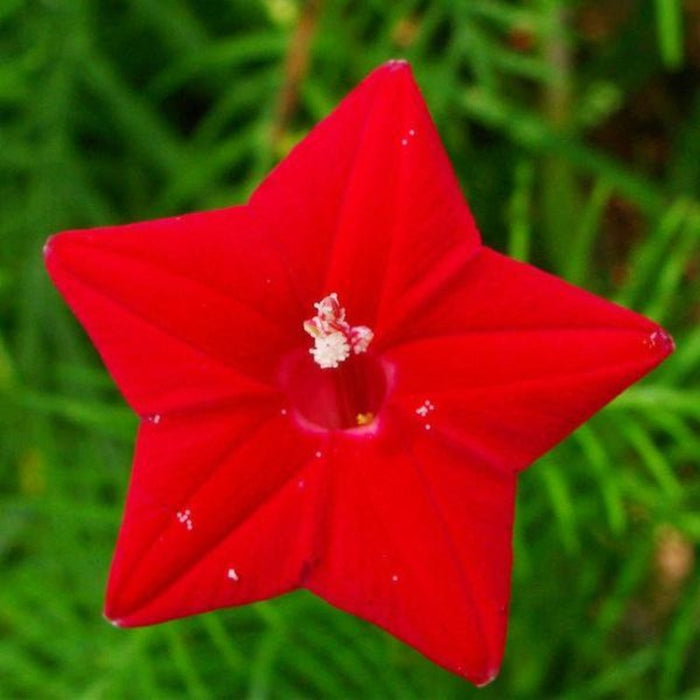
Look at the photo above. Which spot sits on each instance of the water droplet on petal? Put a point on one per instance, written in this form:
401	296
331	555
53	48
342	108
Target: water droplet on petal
232	575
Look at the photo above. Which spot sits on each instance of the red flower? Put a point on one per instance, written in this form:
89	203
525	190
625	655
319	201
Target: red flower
368	452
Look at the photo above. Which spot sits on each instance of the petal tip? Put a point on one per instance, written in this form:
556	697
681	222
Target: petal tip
394	69
397	64
479	678
61	247
660	342
114	612
489	678
55	245
49	247
120	616
52	255
115	622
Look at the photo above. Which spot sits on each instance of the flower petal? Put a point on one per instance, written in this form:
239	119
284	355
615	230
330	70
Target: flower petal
382	187
210	495
512	360
418	541
178	319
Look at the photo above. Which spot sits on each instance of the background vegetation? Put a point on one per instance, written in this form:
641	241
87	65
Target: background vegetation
575	129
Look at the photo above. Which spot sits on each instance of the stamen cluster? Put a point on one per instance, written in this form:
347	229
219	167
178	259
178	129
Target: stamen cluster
334	338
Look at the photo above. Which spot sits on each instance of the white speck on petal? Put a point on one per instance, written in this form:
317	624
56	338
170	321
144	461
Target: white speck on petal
405	139
283	412
395	578
318	454
428	426
183	517
232	575
300	484
425	408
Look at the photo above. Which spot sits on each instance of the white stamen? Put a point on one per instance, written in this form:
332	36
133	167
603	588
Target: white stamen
360	338
330	350
334	338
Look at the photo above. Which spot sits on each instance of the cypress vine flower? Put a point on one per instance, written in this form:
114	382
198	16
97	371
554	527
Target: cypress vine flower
338	384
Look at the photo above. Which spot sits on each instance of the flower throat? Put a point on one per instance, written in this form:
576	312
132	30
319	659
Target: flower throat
337	384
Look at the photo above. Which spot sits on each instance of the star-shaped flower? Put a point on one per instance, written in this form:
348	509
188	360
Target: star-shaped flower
338	385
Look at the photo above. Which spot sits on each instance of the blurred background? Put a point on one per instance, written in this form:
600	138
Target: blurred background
574	127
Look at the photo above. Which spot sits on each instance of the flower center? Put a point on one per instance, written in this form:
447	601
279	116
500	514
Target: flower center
337	384
334	338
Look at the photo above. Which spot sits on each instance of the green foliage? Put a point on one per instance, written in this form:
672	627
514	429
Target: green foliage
577	149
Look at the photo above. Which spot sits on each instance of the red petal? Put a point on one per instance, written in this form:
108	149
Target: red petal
368	205
212	493
179	319
419	541
513	359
